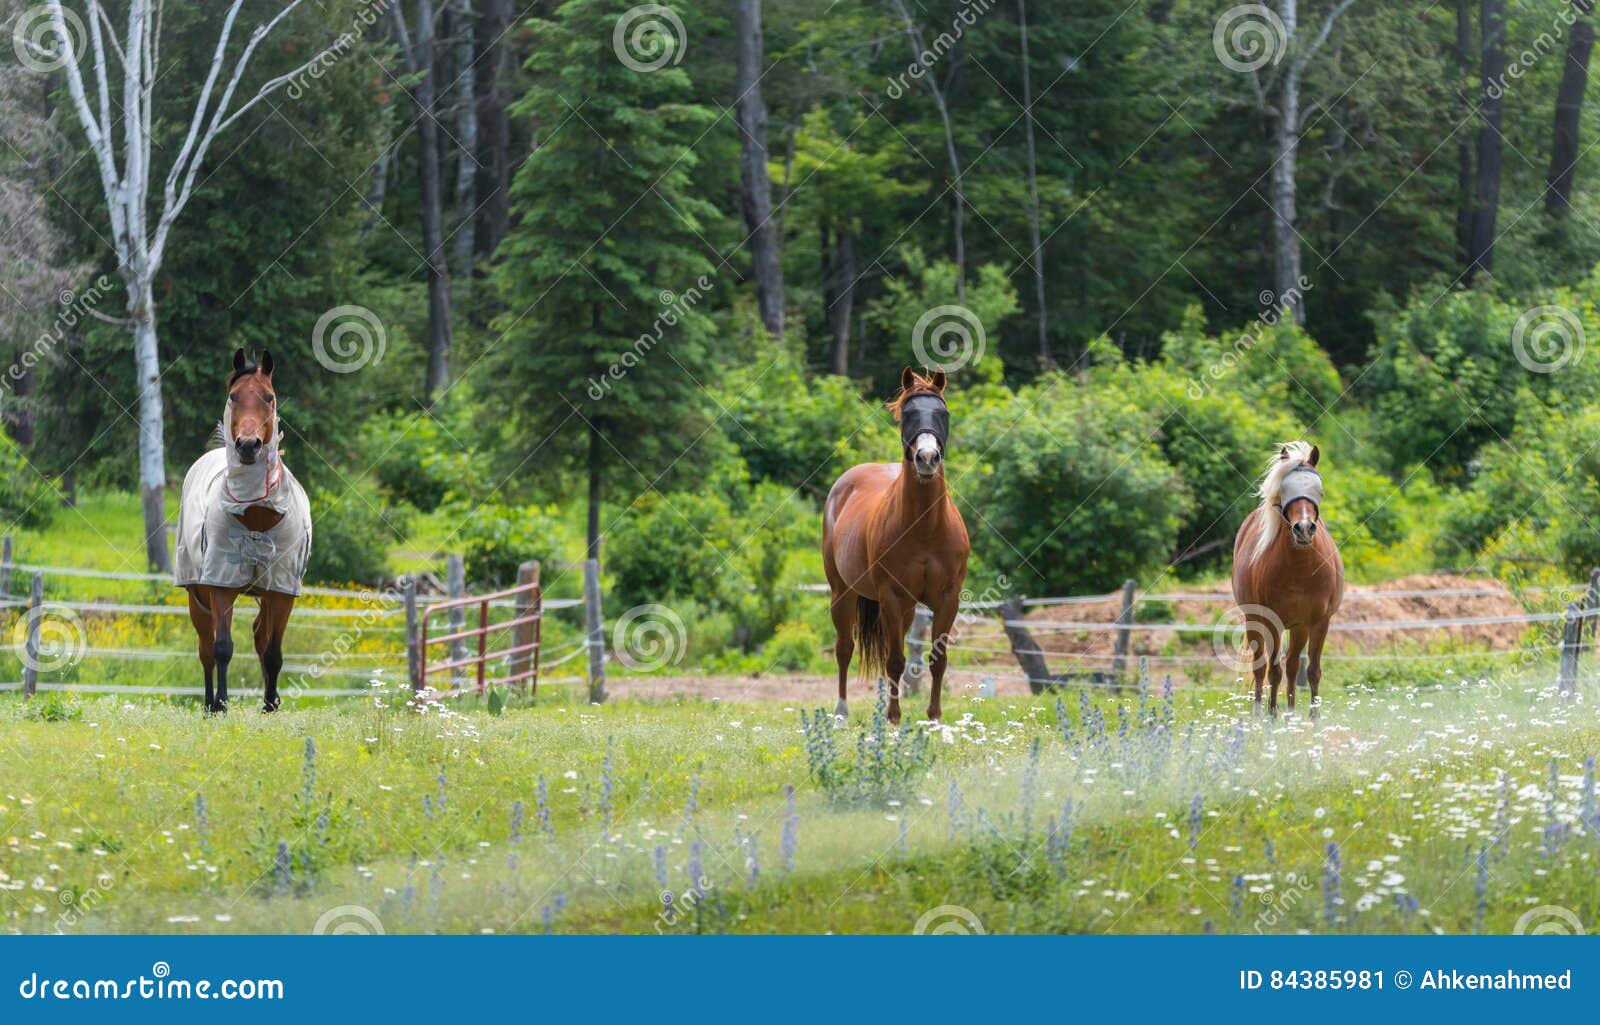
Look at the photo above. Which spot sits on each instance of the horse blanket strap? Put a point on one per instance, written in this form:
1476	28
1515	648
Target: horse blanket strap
924	414
215	549
1301	482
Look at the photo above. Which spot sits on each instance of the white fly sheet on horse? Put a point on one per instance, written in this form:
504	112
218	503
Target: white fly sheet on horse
215	549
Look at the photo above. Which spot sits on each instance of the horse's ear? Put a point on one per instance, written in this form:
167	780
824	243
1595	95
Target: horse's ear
239	359
266	362
939	381
1283	453
908	377
1316	453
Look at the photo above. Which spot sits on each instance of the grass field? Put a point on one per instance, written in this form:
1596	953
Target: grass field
1449	810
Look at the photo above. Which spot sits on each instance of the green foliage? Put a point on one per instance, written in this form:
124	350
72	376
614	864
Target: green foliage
27	498
1075	494
886	766
425	459
495	539
927	284
607	339
795	647
352	529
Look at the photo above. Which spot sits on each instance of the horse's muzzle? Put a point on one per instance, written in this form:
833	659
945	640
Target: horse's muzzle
927	462
1304	532
248	449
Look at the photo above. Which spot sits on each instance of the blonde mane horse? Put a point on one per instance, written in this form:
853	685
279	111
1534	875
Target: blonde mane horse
1287	579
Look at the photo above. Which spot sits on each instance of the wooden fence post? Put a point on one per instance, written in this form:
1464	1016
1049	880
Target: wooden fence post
526	633
1570	629
30	660
5	567
916	647
408	587
455	574
1124	635
1024	647
597	632
1591	603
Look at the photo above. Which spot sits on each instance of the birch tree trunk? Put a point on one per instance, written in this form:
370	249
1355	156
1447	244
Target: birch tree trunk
1465	68
125	181
1286	143
1564	148
755	185
1491	153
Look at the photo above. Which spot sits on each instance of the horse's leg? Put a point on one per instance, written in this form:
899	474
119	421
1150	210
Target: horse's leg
1274	643
268	629
893	620
200	616
1254	637
944	620
843	609
1291	662
222	601
1319	635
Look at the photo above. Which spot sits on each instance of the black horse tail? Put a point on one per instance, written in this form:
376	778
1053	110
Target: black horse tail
873	643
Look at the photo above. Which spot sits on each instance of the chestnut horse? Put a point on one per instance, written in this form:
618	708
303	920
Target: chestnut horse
1287	579
244	527
891	537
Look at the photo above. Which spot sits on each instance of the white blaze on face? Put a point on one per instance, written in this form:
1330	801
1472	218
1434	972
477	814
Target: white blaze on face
925	450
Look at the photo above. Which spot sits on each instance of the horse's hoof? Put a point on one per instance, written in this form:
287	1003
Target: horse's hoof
268	707
841	714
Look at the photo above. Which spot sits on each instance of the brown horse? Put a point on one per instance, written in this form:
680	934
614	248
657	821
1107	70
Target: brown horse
891	537
244	527
1287	579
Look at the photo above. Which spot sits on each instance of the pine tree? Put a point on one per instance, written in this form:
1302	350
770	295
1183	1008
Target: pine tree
607	273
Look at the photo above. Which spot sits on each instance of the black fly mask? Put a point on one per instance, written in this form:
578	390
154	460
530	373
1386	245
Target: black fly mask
924	414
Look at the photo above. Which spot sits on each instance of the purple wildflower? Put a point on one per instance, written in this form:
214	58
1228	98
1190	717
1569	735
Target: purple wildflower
1332	882
790	841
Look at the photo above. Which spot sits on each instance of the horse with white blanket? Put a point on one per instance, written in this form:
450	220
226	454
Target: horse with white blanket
244	527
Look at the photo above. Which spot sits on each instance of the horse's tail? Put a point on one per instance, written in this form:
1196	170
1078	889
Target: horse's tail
873	643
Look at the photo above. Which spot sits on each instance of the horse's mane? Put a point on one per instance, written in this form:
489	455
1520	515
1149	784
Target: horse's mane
244	371
919	386
1289	457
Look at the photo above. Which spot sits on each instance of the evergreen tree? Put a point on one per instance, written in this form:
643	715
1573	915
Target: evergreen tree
606	274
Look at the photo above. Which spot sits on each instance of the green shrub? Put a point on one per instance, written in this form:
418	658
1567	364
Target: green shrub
352	528
426	459
27	499
794	647
1075	494
495	539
